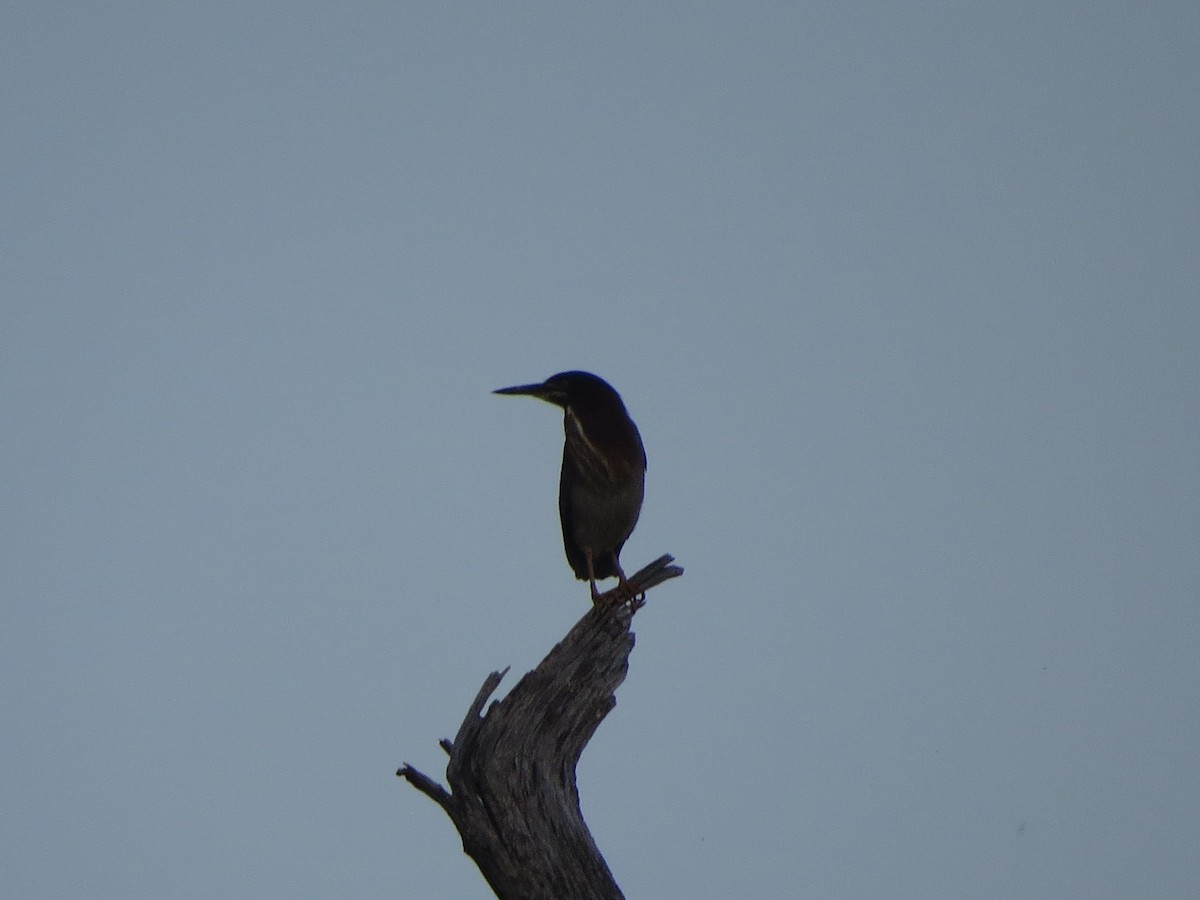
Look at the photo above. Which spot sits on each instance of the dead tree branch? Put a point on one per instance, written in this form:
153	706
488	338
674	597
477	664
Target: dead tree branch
511	772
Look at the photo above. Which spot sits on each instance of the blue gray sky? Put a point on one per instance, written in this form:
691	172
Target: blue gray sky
904	300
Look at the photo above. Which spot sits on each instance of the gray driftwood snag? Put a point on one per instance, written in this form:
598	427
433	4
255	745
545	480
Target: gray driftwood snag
511	772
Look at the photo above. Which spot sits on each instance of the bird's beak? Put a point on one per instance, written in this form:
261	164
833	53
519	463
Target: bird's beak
541	391
533	390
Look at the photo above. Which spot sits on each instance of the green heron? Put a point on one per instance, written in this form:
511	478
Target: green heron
603	472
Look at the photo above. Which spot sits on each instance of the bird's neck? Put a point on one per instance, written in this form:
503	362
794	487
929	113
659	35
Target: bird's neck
608	444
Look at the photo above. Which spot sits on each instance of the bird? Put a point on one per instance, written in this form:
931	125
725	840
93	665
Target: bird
602	483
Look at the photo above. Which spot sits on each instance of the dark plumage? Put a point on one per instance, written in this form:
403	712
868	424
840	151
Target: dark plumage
603	472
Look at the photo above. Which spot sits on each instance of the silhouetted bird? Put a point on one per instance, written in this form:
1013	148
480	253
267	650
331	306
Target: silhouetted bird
603	472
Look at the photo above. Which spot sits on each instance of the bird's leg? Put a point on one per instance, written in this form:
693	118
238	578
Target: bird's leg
617	596
591	570
622	593
621	579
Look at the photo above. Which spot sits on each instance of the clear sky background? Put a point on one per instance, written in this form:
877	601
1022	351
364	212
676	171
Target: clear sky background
903	297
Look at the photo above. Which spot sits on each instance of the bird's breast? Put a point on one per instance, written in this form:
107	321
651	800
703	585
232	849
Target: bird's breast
604	458
603	481
604	519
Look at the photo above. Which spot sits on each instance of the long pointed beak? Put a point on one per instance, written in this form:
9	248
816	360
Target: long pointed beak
550	393
532	390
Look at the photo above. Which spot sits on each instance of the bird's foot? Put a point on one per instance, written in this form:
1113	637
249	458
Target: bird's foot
624	594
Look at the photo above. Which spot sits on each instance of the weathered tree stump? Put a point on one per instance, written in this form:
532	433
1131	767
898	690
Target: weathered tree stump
511	772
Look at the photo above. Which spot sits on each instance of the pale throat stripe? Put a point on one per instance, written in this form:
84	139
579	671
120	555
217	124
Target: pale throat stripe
595	460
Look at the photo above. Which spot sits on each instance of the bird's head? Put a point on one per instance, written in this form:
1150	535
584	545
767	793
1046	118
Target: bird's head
570	390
